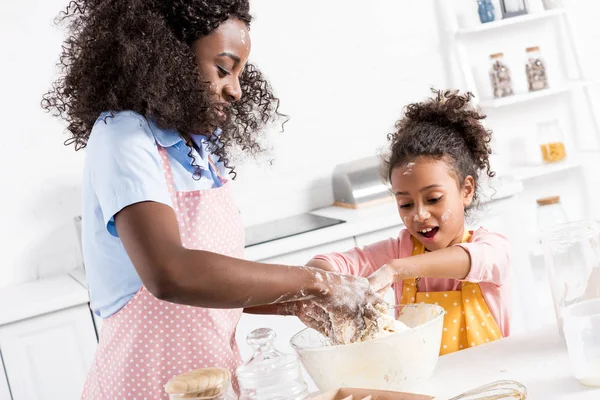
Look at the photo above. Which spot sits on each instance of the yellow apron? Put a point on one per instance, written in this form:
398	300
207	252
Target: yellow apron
468	321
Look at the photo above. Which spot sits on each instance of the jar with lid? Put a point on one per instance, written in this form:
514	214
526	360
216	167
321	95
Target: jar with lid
535	68
201	384
551	141
270	374
550	213
500	76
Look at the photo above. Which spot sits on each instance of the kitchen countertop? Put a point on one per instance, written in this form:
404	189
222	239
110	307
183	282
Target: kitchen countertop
40	297
361	221
537	359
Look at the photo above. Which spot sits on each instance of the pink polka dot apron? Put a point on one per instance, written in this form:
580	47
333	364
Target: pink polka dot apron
149	341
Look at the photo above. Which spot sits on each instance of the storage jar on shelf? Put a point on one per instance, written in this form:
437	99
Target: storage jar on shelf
550	213
551	141
535	68
500	76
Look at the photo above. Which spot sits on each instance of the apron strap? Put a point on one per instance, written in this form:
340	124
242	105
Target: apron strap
215	170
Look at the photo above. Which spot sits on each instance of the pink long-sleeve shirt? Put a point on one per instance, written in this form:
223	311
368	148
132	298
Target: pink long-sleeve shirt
490	268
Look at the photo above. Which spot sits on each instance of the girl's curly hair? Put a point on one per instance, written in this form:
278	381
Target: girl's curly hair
136	55
446	127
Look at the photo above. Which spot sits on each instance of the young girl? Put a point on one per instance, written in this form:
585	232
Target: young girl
437	151
146	83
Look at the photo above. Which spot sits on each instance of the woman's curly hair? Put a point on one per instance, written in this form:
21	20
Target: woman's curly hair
447	127
136	55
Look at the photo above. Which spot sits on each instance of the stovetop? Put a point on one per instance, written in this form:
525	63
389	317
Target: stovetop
286	227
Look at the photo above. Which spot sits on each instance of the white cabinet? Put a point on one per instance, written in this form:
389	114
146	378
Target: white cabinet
301	257
47	357
4	389
377	236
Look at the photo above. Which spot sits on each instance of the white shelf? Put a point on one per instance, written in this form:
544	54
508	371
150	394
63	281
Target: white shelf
520	98
526	173
511	21
523	97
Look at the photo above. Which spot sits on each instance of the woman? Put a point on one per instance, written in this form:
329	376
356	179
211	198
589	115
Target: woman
159	92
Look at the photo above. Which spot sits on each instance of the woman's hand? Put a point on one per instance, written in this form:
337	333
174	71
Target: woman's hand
345	308
346	311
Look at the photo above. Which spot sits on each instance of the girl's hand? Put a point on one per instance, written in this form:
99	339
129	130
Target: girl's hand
382	279
394	271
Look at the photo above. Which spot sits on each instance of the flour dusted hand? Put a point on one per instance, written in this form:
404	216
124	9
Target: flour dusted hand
348	310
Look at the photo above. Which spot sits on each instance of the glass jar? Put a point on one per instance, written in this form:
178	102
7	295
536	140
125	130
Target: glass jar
551	141
270	374
535	68
572	259
550	213
201	384
500	76
582	335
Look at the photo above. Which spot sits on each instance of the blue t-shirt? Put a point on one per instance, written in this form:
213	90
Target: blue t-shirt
122	167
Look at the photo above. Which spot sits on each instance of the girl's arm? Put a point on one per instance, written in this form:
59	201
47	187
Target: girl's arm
359	261
485	259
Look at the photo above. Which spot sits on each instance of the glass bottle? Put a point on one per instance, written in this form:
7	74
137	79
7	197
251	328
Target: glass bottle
500	76
535	68
486	11
270	374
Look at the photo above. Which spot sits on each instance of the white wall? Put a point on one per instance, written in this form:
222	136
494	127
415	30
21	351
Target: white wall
343	70
40	177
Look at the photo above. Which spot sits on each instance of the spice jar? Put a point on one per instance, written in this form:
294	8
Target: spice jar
500	76
201	384
535	68
551	142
